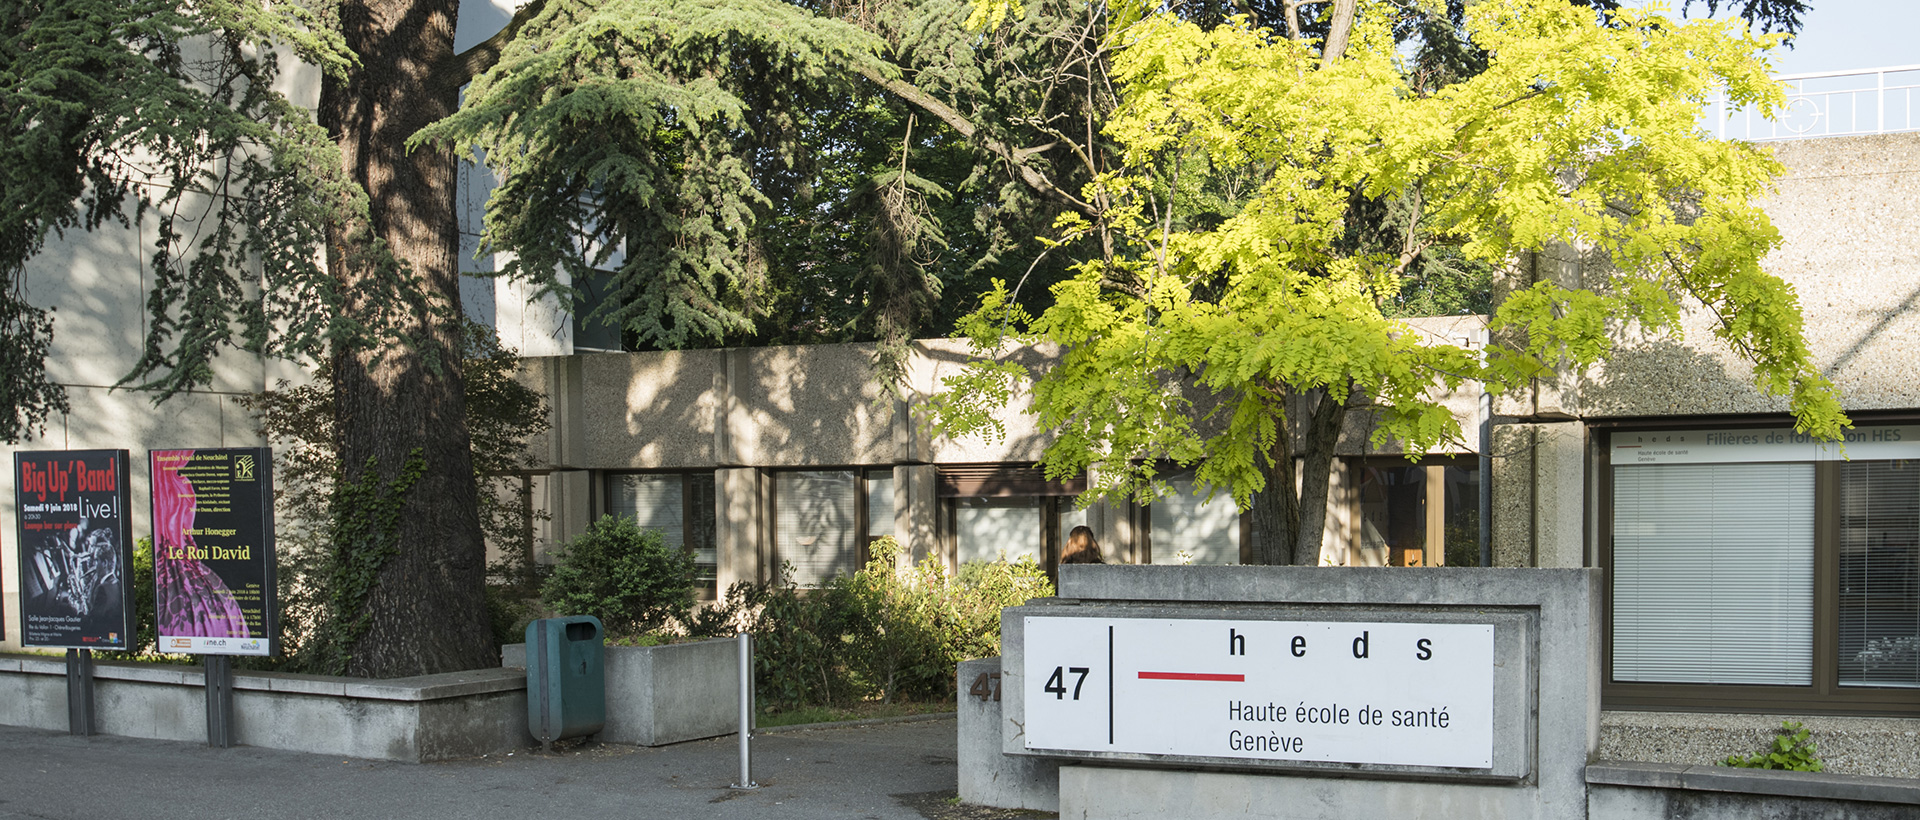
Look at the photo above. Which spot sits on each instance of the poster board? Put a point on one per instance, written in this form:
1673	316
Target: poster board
75	547
213	551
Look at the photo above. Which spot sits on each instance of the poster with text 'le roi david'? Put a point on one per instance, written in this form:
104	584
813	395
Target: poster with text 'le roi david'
213	561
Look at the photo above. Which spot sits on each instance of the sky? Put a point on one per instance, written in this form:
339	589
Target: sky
1845	35
1837	35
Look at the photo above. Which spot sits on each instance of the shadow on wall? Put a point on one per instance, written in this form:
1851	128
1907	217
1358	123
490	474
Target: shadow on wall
1656	376
670	408
1025	442
812	405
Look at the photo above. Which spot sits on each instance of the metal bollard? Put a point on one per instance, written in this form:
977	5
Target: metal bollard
746	713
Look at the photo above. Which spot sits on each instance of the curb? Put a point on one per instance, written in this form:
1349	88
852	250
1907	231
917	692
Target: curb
849	724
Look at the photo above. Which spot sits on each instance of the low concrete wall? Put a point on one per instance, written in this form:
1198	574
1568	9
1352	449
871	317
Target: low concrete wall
665	694
1550	676
987	777
1872	746
1643	791
416	720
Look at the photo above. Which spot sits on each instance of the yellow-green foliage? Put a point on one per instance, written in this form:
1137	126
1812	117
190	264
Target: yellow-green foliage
1576	133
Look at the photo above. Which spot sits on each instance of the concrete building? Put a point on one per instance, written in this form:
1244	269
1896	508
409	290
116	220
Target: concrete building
1751	573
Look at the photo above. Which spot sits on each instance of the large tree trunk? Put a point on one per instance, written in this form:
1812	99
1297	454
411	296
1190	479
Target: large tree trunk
1321	433
393	403
1289	515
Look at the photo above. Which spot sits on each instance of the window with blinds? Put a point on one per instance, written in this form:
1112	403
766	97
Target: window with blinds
1713	573
879	503
678	506
1189	528
815	526
990	529
1879	595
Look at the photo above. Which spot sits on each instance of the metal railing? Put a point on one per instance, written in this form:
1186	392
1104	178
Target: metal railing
1830	104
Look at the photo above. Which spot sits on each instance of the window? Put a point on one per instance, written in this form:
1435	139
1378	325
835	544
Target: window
1002	511
679	506
879	502
816	519
1186	527
1879	594
1756	569
1393	522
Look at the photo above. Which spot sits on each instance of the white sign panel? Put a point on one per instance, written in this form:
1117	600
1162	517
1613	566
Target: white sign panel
1346	692
1737	446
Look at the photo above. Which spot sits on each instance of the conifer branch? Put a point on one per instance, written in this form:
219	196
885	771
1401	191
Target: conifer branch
1017	158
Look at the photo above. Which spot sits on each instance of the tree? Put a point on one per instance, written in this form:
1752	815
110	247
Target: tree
1251	158
667	137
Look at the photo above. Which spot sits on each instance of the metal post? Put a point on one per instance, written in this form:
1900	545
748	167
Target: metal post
219	686
1486	478
80	692
746	713
1880	102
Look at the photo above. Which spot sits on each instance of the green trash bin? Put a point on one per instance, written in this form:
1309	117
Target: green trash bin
566	677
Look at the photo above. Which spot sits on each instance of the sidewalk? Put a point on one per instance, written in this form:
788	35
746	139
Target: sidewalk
899	771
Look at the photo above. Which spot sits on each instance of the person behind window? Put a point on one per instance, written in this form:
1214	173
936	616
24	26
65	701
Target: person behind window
1081	548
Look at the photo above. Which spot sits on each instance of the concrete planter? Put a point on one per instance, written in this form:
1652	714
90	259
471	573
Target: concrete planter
666	694
416	720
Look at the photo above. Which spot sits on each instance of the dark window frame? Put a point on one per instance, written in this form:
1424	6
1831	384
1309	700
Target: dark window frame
1824	695
709	588
863	537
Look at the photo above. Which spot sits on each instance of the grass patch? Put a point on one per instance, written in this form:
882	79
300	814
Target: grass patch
863	711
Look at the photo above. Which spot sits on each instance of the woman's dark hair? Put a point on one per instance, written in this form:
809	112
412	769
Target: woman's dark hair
1081	548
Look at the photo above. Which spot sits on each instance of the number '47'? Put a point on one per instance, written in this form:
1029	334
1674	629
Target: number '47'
1058	683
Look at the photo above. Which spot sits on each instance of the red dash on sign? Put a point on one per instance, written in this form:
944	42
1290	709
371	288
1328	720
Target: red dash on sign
1192	676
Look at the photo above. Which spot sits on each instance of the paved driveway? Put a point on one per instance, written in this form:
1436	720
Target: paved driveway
900	771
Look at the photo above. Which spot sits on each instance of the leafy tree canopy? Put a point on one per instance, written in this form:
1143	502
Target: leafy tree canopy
1250	157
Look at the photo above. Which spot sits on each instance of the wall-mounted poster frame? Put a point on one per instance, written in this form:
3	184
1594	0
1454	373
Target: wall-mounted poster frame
213	551
75	549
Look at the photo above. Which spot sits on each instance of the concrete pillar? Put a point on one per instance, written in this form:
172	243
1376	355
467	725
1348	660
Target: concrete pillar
916	507
572	504
739	512
1539	495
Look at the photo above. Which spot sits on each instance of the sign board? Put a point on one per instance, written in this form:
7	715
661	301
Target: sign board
1749	445
76	549
213	562
1411	694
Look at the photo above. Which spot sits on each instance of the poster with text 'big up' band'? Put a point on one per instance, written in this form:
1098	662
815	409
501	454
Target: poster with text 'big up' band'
213	562
76	549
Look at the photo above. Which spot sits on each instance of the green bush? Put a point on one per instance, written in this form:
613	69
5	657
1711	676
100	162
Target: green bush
1793	750
885	632
625	576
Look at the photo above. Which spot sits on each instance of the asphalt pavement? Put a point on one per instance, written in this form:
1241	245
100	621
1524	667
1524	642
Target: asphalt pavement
895	771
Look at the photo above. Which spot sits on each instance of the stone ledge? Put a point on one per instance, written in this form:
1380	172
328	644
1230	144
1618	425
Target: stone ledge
1814	785
420	688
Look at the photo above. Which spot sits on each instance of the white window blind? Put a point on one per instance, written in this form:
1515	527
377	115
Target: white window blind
1879	597
661	502
814	523
879	503
1713	573
1206	530
987	529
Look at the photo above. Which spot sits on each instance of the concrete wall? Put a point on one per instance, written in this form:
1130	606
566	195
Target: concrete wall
1550	706
1848	211
987	777
664	694
1632	791
416	720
